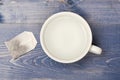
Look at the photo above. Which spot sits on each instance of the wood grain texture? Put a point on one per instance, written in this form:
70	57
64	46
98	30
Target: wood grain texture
29	15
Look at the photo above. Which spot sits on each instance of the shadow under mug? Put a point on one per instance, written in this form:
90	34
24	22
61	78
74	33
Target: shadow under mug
66	37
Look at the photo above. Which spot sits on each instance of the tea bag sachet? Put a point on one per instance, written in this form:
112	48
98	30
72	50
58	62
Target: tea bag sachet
21	44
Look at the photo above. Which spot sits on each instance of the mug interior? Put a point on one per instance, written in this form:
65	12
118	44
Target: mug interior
66	37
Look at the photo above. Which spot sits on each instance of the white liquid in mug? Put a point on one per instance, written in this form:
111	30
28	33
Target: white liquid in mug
65	37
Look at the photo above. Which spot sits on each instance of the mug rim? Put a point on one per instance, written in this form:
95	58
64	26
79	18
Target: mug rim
87	30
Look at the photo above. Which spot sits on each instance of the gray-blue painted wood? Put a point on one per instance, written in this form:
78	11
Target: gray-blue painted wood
28	15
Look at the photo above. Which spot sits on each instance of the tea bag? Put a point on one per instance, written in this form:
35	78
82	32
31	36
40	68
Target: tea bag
21	44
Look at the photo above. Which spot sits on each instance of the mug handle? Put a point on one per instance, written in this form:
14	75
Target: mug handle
96	50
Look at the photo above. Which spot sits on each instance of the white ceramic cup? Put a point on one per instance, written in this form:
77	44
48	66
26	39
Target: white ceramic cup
66	37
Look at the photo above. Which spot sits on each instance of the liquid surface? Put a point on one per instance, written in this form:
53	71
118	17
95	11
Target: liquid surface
65	37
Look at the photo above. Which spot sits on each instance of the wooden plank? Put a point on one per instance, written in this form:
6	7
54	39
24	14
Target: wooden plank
102	15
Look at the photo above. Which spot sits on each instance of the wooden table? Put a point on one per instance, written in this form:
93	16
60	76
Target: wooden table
103	16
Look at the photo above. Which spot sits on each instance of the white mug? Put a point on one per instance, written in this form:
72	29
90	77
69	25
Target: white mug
66	37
